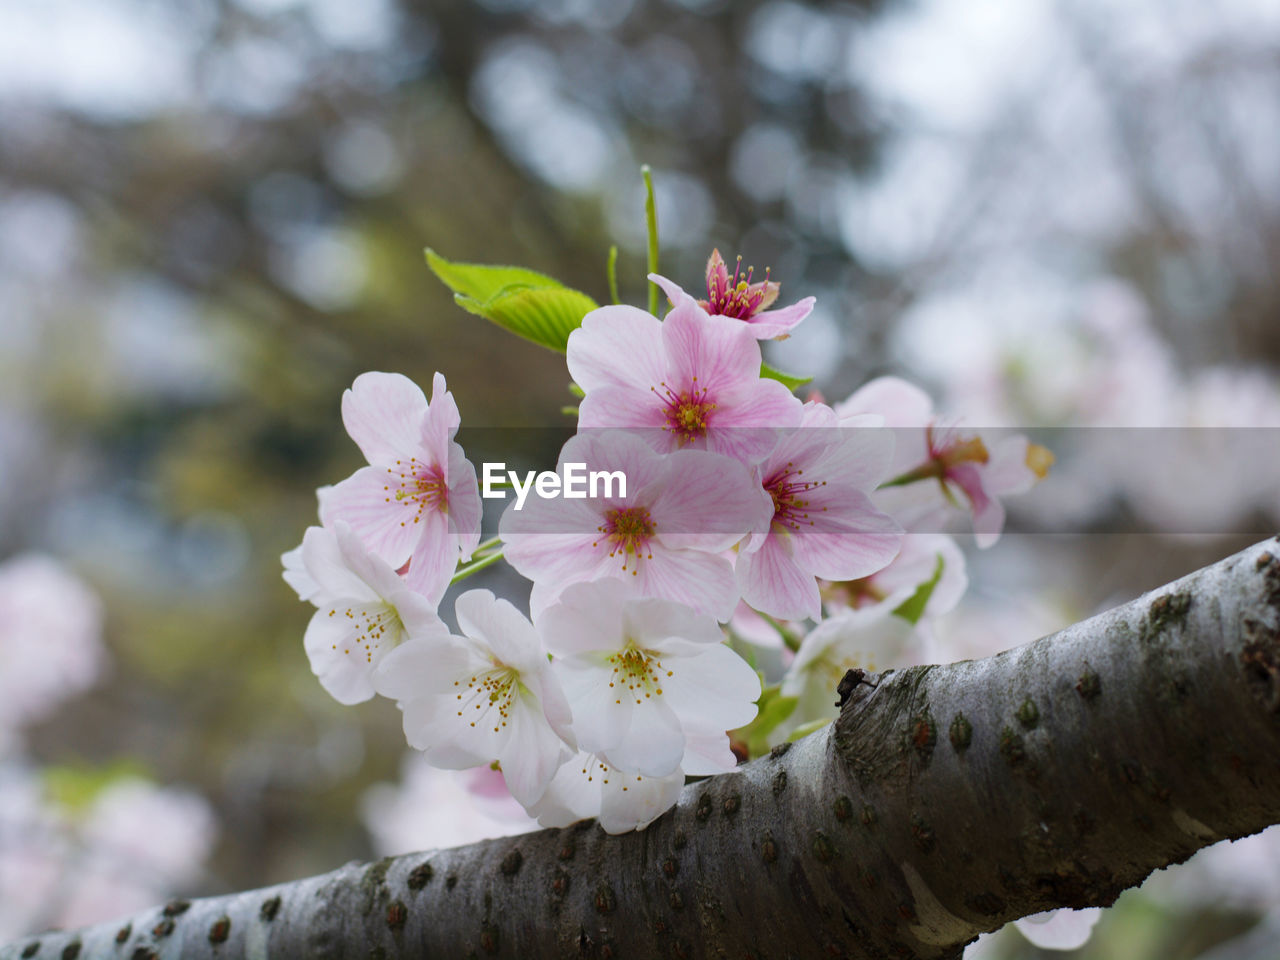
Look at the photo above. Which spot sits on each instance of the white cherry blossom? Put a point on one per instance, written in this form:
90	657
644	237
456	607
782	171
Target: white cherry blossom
641	673
364	610
484	696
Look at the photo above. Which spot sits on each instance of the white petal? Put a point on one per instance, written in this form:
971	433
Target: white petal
716	690
631	802
1059	929
654	745
328	567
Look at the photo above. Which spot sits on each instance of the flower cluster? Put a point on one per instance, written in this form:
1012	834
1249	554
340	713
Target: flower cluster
742	511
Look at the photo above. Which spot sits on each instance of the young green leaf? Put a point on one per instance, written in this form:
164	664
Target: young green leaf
790	381
529	304
912	609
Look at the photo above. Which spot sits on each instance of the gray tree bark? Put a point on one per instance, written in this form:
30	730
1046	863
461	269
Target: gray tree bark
944	802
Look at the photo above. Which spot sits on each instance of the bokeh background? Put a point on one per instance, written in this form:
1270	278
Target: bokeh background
212	215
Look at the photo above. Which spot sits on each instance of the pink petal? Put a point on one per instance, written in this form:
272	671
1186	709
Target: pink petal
712	353
987	523
902	404
709	502
435	558
675	294
465	508
746	423
383	413
437	428
627	406
772	324
611	450
849	553
595	350
366	502
703	581
774	583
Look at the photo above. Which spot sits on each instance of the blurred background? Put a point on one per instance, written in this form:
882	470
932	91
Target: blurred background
212	215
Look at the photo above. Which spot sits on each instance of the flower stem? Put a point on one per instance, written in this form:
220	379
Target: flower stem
651	224
475	567
788	637
611	270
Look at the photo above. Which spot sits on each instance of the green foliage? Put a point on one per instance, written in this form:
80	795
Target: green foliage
790	381
774	709
912	609
529	304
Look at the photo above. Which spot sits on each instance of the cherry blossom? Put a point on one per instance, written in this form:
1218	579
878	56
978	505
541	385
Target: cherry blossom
418	500
50	639
914	566
487	695
871	639
734	295
589	786
819	480
680	512
365	609
691	380
641	673
937	465
431	808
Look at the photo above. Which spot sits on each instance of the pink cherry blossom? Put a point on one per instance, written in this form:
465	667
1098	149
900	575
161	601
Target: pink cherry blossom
50	639
691	379
640	674
819	480
667	535
915	565
734	295
418	500
938	466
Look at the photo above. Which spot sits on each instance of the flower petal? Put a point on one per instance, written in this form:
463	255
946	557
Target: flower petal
383	413
327	566
703	581
715	690
774	583
654	745
772	324
609	333
367	502
716	354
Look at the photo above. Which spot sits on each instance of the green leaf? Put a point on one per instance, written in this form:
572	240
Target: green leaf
912	609
529	304
774	708
481	281
790	381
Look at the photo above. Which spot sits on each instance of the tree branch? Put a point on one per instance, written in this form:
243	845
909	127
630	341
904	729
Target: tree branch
943	802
